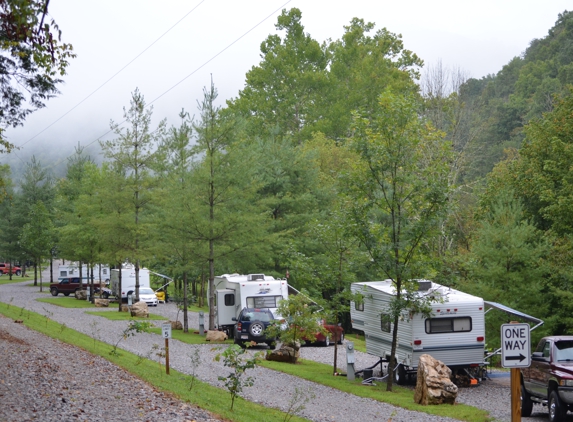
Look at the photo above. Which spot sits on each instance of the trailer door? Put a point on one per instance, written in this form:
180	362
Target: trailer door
225	307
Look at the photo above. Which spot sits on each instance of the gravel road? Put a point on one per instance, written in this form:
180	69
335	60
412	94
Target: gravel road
52	391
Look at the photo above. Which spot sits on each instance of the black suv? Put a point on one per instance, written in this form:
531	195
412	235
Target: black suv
251	325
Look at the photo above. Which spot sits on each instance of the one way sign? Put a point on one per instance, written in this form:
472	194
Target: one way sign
515	346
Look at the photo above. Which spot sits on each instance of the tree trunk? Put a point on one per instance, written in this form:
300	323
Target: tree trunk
185	302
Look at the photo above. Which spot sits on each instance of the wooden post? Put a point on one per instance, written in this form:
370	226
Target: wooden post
515	392
515	395
167	358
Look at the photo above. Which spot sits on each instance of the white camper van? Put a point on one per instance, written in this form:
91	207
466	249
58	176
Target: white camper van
73	270
128	280
233	292
453	334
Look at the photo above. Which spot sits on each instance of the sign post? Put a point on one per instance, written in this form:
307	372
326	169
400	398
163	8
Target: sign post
166	330
515	354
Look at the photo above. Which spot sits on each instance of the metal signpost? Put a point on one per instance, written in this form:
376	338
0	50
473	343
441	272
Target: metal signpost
166	331
515	354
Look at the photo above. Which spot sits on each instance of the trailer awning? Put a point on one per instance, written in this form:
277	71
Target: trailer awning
508	310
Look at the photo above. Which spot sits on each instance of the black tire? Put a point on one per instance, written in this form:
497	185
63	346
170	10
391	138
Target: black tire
66	294
256	328
105	295
18	272
54	291
326	342
400	375
341	339
556	410
526	403
272	345
239	342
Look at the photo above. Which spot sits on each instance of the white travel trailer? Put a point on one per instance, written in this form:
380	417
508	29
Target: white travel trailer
453	334
233	292
128	280
73	270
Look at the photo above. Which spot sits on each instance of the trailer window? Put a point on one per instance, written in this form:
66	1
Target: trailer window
385	322
230	299
448	325
263	301
359	306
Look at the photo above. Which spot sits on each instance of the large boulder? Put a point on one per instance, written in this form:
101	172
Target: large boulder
214	335
101	303
434	385
176	325
287	353
140	309
81	294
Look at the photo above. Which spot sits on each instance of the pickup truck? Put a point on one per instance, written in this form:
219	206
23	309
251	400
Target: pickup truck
70	285
549	378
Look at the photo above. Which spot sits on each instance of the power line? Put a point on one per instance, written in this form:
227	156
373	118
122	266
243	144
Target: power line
114	75
186	77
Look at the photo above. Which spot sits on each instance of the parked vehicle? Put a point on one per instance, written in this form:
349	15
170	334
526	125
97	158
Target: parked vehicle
250	326
66	286
128	280
549	378
73	270
454	334
148	296
6	268
233	292
335	334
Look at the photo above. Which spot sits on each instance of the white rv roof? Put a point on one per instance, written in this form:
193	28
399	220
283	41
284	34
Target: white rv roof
450	294
238	278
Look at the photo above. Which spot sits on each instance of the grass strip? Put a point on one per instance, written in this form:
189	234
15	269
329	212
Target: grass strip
203	395
124	316
399	396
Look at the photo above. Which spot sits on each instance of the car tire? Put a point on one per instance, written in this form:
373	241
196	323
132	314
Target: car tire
272	345
54	291
326	342
18	272
66	294
556	410
239	342
105	295
526	403
400	375
256	328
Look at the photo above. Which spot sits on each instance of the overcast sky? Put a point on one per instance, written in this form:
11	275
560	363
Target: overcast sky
222	38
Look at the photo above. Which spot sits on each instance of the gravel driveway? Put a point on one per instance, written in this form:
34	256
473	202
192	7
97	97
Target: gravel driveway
328	404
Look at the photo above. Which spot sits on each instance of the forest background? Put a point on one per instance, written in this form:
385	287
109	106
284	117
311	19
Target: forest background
294	176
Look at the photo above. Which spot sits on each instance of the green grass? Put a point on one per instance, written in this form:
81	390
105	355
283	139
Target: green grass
5	279
358	340
67	302
202	394
124	316
399	396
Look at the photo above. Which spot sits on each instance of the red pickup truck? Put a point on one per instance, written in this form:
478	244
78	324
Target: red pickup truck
70	285
549	378
6	268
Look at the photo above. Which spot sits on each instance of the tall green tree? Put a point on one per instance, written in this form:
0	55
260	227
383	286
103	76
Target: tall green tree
174	205
37	237
37	186
399	189
281	92
225	221
135	152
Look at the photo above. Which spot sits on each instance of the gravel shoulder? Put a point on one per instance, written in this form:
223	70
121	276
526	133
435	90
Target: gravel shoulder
326	404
